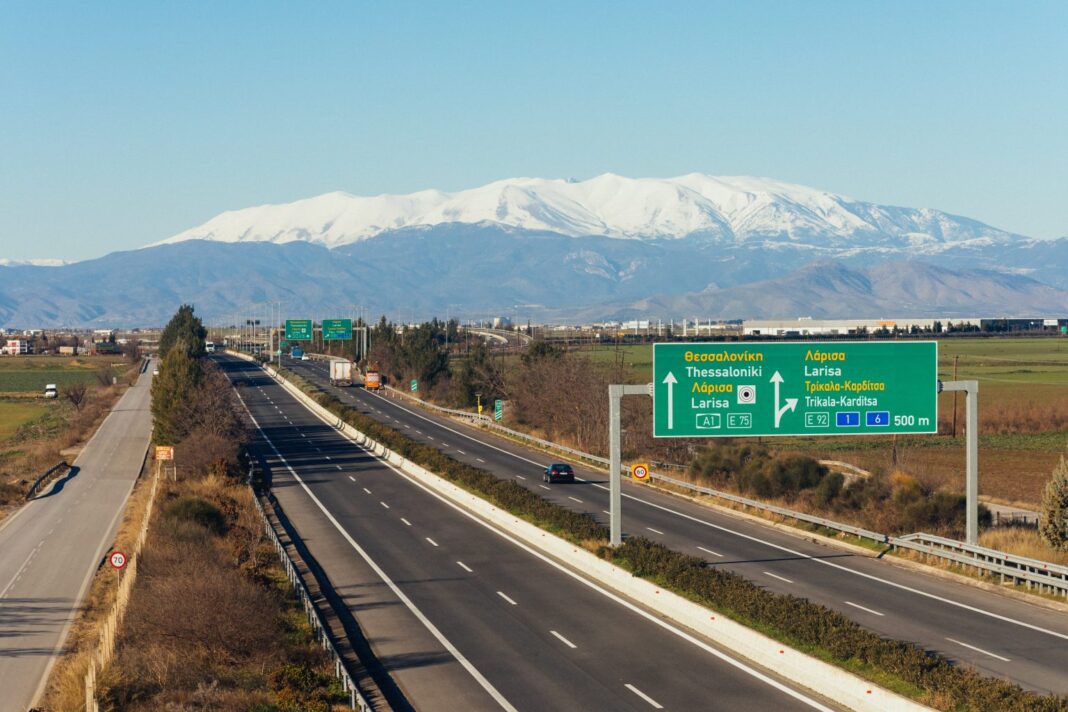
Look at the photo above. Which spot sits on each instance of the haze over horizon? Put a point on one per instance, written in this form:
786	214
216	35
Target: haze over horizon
125	125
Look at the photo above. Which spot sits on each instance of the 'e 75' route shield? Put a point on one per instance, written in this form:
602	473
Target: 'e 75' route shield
815	388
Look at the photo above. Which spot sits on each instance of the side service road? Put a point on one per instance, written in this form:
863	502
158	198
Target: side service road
50	548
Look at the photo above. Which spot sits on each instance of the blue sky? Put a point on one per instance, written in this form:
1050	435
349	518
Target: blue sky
124	123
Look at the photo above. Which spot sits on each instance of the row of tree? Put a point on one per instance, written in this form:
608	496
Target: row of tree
193	406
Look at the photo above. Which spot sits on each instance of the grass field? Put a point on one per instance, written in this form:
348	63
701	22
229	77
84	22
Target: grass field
26	374
14	414
1023	410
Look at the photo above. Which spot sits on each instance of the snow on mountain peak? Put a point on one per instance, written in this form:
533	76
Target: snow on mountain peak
724	208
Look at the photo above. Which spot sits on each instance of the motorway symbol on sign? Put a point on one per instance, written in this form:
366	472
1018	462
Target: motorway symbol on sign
298	329
164	452
117	559
337	329
639	472
767	389
415	385
498	410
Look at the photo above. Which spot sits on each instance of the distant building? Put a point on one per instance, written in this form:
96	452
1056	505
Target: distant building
833	327
17	347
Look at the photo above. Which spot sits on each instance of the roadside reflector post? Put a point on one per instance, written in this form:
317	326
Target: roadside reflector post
971	450
615	457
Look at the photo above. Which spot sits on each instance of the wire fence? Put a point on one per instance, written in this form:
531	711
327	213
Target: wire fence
322	633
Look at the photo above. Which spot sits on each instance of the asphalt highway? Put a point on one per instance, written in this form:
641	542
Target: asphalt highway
996	634
50	548
464	617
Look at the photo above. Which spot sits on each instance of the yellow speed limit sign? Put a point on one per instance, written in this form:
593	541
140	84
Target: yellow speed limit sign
639	471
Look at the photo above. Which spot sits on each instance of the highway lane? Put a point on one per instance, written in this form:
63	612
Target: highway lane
996	634
51	547
462	616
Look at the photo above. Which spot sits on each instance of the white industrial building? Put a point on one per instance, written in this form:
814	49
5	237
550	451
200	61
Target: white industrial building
831	327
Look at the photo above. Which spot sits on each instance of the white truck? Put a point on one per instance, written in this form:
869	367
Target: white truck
340	372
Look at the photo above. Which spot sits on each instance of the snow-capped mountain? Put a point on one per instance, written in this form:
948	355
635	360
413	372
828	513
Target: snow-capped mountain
39	262
725	210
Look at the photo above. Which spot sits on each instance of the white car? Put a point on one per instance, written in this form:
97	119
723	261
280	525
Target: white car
51	391
155	372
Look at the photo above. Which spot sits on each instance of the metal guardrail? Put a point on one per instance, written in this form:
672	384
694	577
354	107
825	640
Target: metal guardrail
1048	577
40	481
356	700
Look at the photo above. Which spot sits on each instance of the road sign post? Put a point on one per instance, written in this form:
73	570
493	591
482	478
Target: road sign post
782	389
298	329
615	460
971	454
776	389
337	329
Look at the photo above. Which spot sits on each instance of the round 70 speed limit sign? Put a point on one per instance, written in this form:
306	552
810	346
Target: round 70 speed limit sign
639	472
117	559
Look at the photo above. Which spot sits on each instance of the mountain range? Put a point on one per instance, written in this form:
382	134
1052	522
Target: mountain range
608	247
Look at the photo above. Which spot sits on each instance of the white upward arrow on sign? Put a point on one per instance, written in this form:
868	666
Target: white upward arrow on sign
791	403
671	381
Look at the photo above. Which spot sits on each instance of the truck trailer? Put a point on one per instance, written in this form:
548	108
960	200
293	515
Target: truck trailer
340	372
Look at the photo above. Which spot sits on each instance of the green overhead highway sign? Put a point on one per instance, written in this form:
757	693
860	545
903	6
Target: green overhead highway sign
337	329
298	329
767	389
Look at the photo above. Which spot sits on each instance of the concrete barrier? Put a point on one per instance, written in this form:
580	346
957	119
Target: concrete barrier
830	681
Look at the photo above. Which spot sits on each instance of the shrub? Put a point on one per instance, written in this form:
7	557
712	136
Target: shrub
199	511
1054	527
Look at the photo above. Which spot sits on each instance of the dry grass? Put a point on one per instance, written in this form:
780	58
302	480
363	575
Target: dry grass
1022	541
212	623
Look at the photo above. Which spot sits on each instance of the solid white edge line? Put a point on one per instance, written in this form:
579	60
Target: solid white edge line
781	578
505	597
870	577
606	593
565	641
979	650
857	605
471	669
644	696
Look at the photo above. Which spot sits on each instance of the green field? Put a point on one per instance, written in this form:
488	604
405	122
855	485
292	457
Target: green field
30	374
14	414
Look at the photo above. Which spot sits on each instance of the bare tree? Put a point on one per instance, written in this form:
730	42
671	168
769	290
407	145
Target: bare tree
76	393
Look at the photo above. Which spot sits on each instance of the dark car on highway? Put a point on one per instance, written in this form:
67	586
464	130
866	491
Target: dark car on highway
558	472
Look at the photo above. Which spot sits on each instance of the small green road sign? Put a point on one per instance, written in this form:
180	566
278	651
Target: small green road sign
819	388
498	410
414	385
283	343
298	329
337	329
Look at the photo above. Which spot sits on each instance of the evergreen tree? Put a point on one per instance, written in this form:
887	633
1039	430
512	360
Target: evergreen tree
174	396
184	328
1054	528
